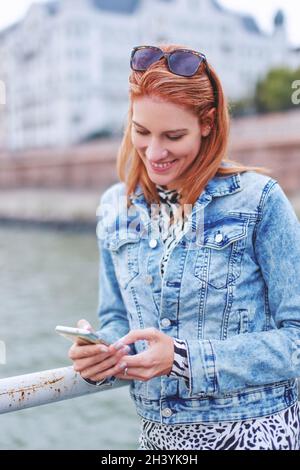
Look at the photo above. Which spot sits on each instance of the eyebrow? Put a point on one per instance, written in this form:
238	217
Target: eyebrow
172	130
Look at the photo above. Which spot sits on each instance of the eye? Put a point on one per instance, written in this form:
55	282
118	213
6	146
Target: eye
175	138
139	132
169	137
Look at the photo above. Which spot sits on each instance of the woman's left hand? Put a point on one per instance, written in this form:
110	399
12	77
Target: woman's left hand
155	361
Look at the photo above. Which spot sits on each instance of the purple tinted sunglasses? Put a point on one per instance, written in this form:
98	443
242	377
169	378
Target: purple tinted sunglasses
183	62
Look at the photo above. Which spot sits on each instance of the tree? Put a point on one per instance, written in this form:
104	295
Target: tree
274	92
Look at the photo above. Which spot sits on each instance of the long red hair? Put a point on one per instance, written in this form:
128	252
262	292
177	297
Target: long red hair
197	95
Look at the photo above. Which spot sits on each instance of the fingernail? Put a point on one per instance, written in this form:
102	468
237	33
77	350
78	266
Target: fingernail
122	365
125	349
103	348
118	345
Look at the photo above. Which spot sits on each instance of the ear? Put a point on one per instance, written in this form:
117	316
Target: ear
208	122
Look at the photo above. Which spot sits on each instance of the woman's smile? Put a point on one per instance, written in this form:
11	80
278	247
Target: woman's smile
162	167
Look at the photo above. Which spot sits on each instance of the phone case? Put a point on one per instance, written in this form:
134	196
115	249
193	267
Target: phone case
75	333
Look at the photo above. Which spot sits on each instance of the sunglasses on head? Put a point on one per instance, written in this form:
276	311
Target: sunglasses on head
183	62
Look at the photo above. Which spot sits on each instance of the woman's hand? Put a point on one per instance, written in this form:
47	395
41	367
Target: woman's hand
155	361
97	361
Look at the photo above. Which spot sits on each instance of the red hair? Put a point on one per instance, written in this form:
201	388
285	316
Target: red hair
197	95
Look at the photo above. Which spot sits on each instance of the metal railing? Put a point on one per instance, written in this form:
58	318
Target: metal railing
49	386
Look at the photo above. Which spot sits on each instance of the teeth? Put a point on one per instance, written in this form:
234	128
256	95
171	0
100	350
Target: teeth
162	165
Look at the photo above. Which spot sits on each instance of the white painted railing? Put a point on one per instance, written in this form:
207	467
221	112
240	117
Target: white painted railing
49	386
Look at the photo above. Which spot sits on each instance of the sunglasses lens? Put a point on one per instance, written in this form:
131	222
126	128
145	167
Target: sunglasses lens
184	63
145	57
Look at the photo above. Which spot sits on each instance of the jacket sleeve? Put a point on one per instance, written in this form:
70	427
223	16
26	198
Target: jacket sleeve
257	359
113	321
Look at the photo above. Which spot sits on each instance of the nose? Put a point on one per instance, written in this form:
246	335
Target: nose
156	153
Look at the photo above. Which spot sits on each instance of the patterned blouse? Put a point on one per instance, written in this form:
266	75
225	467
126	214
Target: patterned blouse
170	233
280	431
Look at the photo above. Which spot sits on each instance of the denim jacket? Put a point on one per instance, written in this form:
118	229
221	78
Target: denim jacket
231	290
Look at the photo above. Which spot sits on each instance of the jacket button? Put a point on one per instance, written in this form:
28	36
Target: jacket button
148	279
167	412
153	243
218	237
165	322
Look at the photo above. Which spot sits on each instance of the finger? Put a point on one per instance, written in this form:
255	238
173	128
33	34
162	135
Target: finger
116	371
123	376
103	361
102	374
99	368
141	360
82	364
149	334
137	373
84	324
80	352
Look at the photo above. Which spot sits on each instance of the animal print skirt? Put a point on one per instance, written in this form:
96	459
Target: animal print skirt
280	431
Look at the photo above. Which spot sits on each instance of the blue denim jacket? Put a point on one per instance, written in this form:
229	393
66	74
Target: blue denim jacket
231	289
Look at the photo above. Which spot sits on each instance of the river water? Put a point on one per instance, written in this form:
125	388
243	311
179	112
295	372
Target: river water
49	277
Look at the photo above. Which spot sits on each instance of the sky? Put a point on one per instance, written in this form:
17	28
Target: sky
262	10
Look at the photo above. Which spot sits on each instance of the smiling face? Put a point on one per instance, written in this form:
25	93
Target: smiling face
167	138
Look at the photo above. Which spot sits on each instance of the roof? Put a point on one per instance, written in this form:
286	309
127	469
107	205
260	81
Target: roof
247	21
52	7
250	24
130	6
116	6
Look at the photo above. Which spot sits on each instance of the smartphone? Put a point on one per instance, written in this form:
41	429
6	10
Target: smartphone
86	336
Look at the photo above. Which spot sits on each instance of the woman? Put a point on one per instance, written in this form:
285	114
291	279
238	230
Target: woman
199	272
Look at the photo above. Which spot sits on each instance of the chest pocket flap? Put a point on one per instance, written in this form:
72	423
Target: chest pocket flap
221	233
220	254
124	248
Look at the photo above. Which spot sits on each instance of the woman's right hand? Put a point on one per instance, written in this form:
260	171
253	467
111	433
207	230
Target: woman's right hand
94	361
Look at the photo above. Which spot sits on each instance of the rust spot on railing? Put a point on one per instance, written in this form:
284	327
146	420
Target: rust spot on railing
32	388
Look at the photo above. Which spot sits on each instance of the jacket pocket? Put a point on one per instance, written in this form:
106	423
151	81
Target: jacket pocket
219	258
237	323
125	256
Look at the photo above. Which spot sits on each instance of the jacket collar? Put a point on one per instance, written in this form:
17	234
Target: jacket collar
216	187
224	185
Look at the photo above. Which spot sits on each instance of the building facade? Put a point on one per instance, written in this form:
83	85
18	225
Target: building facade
66	64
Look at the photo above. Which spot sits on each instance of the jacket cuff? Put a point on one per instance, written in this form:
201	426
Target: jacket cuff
201	358
104	382
180	368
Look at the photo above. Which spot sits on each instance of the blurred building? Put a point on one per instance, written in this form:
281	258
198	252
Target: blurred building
3	115
66	64
294	58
